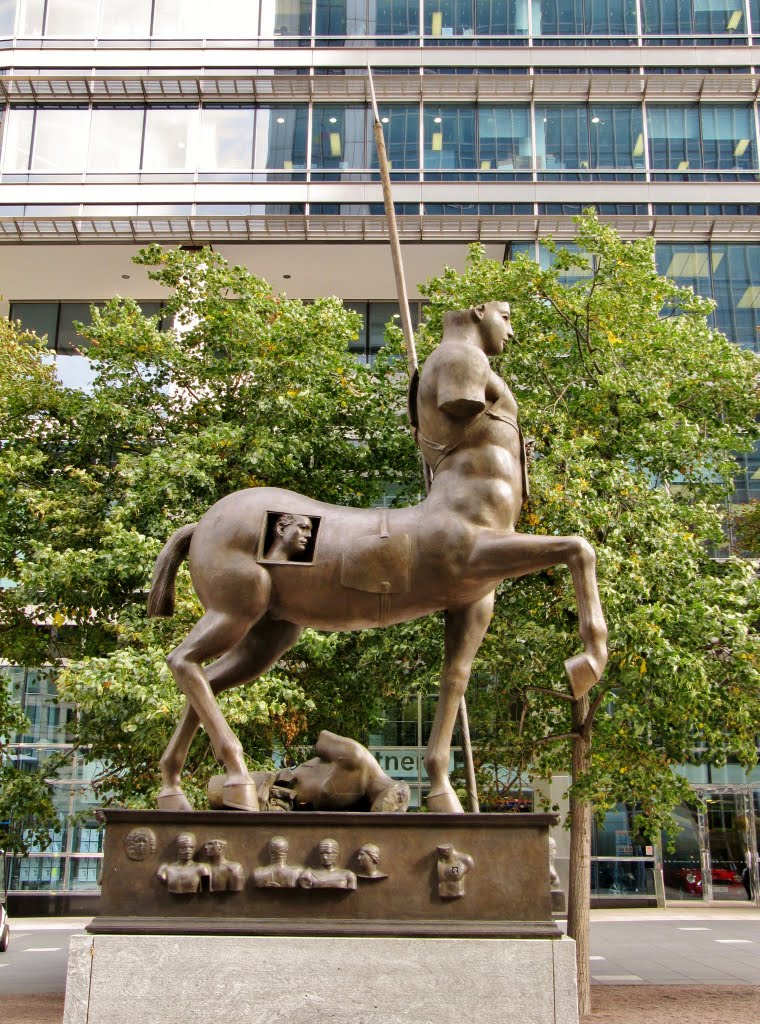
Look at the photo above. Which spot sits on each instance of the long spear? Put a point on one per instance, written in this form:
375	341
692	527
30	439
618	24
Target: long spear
411	362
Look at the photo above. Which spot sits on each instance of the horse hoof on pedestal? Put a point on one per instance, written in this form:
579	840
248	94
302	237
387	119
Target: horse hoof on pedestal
173	802
581	673
445	801
240	796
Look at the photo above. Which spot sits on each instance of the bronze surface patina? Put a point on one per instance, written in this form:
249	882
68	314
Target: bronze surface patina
373	567
328	873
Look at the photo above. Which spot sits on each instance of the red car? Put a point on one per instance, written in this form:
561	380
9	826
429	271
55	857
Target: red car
689	879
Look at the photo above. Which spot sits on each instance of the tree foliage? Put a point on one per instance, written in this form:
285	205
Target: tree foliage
251	389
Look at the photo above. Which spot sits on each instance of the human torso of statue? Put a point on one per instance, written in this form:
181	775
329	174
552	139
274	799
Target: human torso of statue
468	435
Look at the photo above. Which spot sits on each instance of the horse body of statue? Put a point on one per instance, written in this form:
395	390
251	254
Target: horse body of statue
267	562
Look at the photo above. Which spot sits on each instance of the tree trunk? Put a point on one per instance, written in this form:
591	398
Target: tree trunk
579	896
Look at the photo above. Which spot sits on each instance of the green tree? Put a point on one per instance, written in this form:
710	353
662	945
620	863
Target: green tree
252	388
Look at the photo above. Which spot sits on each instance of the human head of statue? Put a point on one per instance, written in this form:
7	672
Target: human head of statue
185	847
495	323
214	849
328	853
278	849
368	858
292	534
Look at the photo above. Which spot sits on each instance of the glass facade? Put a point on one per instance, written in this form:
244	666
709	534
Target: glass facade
396	22
542	141
72	859
55	321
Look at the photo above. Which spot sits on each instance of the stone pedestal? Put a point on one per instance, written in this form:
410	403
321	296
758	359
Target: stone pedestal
205	979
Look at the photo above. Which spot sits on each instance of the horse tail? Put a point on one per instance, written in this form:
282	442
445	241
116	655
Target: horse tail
173	553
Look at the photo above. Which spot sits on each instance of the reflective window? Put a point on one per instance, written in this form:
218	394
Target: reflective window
562	139
30	17
226	138
125	19
504	140
401	131
584	17
60	139
683	138
339	137
450	141
178	19
170	136
736	289
693	17
616	134
286	18
345	18
17	142
446	19
7	17
280	138
115	139
72	18
501	18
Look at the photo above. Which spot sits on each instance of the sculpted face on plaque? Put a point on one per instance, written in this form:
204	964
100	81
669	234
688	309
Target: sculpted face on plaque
367	860
278	874
292	535
140	843
226	875
327	875
184	875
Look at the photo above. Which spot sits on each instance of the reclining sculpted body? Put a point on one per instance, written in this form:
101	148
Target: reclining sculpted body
266	562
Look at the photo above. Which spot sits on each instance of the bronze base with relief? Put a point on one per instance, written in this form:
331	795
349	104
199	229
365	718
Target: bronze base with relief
328	873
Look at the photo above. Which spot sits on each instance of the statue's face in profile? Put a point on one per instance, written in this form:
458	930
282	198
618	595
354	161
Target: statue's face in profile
495	326
295	536
214	849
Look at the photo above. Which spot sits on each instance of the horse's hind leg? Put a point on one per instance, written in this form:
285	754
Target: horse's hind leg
263	645
464	632
517	554
213	635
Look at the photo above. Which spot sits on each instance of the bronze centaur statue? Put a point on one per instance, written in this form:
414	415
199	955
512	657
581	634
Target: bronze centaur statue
267	562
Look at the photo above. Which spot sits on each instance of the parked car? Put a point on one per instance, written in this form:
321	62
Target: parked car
688	878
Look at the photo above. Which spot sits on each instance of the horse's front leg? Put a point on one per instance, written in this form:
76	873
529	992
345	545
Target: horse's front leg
464	632
517	554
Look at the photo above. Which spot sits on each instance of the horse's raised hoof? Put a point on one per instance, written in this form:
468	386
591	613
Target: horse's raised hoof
176	801
445	801
582	674
240	796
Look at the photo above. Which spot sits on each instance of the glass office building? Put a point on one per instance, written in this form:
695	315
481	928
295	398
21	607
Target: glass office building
245	124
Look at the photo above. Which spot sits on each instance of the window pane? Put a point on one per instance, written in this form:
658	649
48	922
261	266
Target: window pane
617	136
674	137
170	139
401	129
449	137
736	286
504	142
17	143
177	19
125	19
69	340
501	17
339	136
562	137
667	17
281	138
226	138
7	17
393	17
447	18
728	137
231	19
60	140
115	139
30	17
286	18
72	18
714	17
40	317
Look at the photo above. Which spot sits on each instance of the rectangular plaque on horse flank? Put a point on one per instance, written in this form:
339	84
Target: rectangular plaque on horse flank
288	537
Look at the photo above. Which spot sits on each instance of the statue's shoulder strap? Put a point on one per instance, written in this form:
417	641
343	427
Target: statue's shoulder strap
411	399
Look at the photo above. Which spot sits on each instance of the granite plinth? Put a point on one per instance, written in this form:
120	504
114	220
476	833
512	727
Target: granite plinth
504	894
202	979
